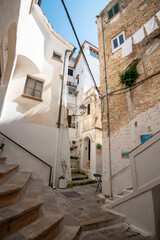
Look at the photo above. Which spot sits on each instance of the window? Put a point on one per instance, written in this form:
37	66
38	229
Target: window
94	52
71	91
115	9
88	109
118	41
70	72
33	87
56	55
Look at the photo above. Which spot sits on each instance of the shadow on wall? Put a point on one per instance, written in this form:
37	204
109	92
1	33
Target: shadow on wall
10	49
8	59
35	111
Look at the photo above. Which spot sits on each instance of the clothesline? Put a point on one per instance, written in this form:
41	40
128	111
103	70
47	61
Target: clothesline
138	36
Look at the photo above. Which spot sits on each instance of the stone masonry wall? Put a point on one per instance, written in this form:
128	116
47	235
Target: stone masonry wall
123	108
132	113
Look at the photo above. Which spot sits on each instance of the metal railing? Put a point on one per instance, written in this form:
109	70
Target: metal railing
72	84
50	174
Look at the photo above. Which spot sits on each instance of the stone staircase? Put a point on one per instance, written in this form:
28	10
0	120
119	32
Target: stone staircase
80	177
110	202
28	210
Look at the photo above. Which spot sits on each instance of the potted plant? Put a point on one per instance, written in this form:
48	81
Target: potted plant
62	182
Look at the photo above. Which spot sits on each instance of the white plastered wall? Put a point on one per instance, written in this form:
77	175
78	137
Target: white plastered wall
124	140
34	124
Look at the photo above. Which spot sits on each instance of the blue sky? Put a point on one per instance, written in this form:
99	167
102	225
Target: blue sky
83	14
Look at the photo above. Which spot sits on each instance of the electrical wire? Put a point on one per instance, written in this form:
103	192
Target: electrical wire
81	48
131	88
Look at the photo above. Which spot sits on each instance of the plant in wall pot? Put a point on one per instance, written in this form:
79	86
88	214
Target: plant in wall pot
99	146
129	75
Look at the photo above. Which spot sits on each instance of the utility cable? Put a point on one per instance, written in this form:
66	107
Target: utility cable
132	87
93	79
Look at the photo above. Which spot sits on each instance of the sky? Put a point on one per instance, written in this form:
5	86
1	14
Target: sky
83	15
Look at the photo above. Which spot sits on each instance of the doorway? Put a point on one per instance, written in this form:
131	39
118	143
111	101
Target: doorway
87	153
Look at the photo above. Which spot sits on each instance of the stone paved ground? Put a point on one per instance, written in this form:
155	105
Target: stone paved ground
81	204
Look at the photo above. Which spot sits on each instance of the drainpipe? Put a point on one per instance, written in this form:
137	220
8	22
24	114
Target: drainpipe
59	120
60	106
107	110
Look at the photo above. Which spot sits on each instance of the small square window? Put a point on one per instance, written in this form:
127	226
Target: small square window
117	41
70	72
33	87
57	56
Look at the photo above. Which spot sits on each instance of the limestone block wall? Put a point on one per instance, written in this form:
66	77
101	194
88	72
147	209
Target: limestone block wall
131	113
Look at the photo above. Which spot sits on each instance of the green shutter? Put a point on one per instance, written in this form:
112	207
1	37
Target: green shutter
110	14
116	8
113	11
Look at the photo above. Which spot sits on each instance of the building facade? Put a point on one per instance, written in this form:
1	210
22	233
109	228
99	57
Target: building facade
130	31
84	112
32	71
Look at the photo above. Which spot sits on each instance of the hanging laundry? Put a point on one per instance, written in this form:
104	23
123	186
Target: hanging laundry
151	25
138	36
127	47
158	15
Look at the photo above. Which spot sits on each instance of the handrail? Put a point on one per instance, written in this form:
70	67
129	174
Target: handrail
50	174
122	170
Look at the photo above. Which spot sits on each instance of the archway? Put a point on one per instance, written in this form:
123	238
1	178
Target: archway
87	152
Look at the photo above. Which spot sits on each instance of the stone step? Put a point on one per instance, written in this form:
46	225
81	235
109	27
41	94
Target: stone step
116	232
101	222
82	182
109	201
2	160
6	170
76	171
116	197
47	227
70	233
127	191
78	177
23	212
11	190
50	204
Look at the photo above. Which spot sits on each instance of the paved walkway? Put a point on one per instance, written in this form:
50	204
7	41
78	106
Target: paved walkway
79	204
82	206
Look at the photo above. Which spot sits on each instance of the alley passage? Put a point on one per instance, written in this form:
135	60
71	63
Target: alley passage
82	206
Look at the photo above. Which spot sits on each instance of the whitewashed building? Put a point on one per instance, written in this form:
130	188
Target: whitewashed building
33	65
84	111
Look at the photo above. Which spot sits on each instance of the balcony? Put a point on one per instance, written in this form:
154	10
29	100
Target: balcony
72	84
